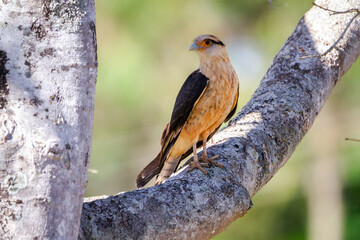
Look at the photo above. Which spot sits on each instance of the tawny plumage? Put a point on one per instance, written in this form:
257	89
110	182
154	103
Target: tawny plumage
206	100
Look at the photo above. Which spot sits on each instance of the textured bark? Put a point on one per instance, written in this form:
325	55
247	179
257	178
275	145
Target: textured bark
255	145
47	84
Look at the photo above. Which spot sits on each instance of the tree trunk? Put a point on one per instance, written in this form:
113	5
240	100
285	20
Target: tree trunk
48	70
255	145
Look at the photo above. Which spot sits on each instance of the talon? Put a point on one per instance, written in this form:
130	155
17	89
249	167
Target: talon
206	165
196	164
207	160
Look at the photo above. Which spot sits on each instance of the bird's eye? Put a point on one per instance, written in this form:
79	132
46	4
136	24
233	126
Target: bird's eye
207	43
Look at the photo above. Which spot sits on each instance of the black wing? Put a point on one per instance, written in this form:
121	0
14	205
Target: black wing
189	93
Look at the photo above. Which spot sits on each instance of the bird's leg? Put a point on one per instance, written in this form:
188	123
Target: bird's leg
205	159
195	163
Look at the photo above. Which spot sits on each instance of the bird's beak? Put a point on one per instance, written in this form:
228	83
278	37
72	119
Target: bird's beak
193	47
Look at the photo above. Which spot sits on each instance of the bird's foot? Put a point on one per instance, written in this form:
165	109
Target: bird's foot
206	160
198	165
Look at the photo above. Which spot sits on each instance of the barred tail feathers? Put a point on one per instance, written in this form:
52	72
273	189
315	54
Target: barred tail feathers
168	169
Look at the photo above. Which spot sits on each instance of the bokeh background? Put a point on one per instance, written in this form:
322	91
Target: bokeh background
143	61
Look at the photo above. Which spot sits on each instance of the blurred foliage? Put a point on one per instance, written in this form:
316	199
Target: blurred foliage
143	61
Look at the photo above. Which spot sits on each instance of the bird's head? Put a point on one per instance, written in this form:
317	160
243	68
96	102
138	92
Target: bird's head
208	46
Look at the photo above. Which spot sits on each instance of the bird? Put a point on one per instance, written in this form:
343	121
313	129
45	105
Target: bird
207	98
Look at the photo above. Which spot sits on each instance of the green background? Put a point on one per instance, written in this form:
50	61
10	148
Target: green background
143	61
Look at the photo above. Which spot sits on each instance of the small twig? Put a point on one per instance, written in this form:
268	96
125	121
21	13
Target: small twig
336	12
352	139
93	171
357	11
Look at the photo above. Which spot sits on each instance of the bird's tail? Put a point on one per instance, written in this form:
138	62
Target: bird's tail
169	168
152	169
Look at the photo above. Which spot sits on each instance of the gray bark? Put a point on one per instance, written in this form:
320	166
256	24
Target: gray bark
48	72
254	146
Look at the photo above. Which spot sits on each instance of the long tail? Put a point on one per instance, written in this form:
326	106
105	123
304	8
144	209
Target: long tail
152	169
169	168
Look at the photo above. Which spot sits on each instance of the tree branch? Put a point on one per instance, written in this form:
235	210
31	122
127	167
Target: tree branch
255	145
357	11
352	139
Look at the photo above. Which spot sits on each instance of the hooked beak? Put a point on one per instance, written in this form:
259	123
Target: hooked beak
193	47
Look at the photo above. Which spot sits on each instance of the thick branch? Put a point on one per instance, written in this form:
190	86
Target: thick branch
255	145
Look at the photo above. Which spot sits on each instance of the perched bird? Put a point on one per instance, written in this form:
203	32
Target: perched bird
207	99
